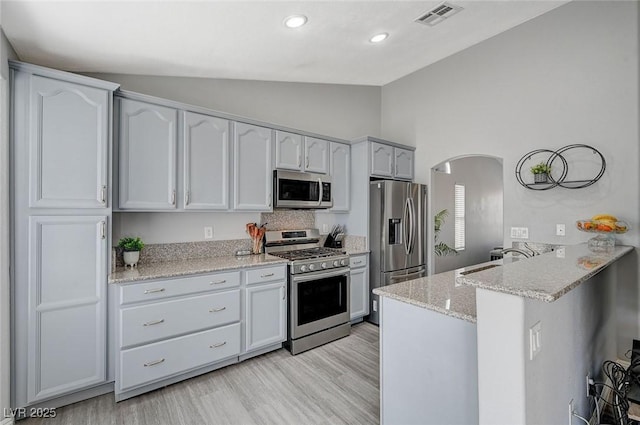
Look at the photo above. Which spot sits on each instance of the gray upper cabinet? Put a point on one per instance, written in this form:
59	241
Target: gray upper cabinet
147	166
206	162
340	167
403	164
67	305
381	160
289	149
68	144
252	180
316	153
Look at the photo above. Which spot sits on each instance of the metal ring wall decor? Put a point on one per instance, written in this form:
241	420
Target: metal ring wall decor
560	181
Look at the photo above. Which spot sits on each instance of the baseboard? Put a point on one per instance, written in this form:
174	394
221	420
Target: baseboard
7	421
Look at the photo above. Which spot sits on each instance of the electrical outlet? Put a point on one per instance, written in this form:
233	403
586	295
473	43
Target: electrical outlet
591	387
560	230
325	229
375	305
208	232
535	340
520	233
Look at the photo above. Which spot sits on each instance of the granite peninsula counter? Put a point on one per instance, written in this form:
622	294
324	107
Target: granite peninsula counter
464	325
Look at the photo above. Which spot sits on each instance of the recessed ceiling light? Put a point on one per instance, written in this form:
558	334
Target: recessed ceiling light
295	21
379	37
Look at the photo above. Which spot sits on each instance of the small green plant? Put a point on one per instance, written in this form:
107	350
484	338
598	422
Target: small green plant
541	168
441	249
131	244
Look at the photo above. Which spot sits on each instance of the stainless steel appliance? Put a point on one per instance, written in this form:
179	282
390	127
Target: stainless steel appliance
398	235
301	190
318	284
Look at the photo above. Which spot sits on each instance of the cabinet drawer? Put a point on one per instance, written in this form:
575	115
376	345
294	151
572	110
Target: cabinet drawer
268	274
161	360
165	319
357	261
170	288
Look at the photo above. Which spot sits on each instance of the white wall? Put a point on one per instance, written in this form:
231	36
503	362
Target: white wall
482	179
6	52
569	76
342	111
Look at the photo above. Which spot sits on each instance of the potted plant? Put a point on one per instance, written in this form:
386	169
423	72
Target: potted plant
131	247
441	249
540	172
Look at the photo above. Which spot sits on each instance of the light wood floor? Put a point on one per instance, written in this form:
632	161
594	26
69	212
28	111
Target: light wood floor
334	384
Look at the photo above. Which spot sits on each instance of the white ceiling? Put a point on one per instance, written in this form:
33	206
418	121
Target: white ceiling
247	40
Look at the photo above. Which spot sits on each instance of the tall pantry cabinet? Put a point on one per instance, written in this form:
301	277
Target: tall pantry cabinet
61	213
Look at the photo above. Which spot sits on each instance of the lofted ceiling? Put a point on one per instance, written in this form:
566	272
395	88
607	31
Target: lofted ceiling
247	39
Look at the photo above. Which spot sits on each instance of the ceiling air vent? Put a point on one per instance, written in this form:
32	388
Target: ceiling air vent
438	14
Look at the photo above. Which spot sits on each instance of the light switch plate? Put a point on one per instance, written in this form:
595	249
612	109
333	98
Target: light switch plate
519	233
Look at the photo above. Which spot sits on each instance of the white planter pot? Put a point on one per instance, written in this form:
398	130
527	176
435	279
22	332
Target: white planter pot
131	258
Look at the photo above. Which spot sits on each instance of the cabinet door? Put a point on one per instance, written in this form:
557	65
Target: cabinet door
359	284
404	164
147	142
340	163
381	160
252	180
66	305
316	153
206	162
69	142
266	315
288	151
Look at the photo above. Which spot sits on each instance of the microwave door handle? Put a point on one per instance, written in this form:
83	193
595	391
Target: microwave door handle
320	192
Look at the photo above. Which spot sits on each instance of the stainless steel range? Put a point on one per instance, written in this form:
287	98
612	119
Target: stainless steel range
318	288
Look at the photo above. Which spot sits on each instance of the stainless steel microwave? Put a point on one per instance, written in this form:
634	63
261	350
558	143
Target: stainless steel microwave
301	190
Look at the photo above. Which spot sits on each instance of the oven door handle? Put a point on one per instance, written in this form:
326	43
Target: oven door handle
307	278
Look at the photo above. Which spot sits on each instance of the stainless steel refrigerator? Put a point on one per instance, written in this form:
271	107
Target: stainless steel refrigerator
397	235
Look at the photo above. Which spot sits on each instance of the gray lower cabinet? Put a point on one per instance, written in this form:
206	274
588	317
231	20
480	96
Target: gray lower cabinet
252	180
265	307
206	162
66	307
359	286
147	138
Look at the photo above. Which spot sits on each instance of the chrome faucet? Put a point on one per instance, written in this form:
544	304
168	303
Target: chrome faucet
519	251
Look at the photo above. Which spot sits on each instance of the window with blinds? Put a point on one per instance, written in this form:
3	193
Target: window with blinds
459	209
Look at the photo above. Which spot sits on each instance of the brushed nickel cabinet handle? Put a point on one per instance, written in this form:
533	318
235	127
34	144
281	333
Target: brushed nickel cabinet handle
299	161
357	262
218	282
218	345
215	310
152	291
307	162
186	197
173	197
266	275
103	230
154	322
153	363
103	195
284	292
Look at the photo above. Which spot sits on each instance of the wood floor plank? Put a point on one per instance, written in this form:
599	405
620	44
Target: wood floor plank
335	384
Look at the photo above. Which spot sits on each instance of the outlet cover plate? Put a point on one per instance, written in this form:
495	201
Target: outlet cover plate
560	230
535	340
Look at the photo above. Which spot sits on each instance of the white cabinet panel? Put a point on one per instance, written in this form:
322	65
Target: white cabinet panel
252	167
381	160
359	288
403	164
67	304
266	315
316	152
147	143
340	166
267	274
288	151
68	144
206	162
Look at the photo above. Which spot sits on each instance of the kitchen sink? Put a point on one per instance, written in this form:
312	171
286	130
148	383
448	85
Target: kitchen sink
479	269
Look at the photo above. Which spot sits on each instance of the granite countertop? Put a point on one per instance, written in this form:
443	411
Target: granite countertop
188	267
439	292
548	276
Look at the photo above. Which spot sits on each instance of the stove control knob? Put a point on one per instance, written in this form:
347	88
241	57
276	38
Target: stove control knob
311	266
323	265
343	262
336	263
303	268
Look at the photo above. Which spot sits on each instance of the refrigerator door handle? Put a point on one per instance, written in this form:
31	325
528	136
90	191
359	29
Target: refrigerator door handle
406	225
412	214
